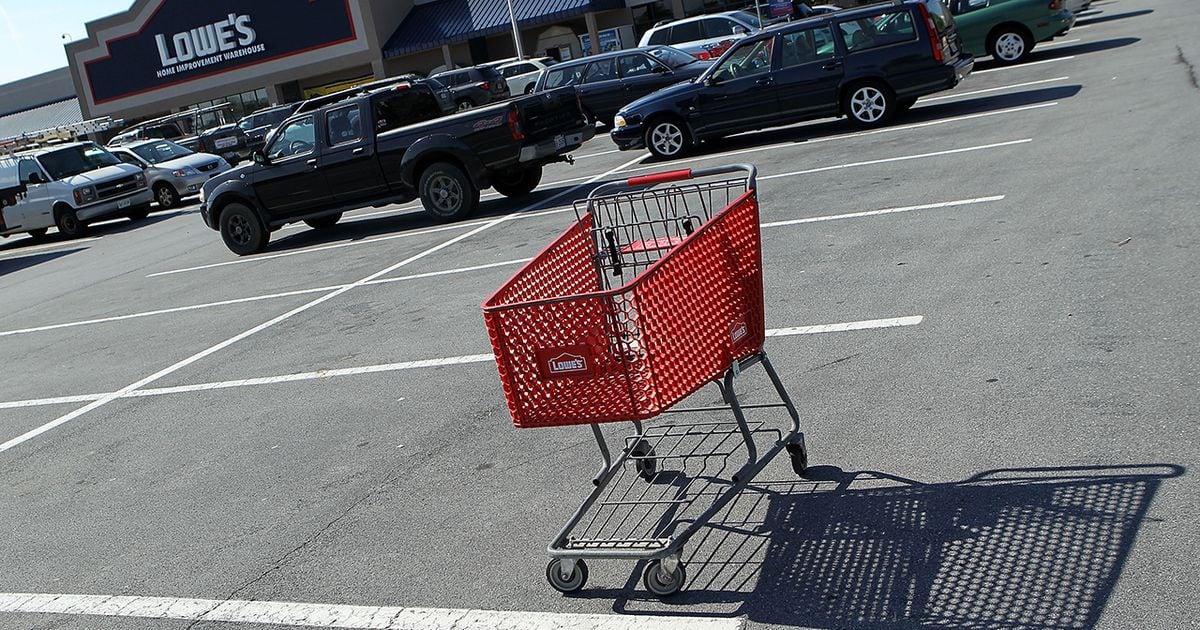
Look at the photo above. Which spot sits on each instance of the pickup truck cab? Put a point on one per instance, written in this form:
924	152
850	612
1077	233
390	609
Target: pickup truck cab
68	187
386	146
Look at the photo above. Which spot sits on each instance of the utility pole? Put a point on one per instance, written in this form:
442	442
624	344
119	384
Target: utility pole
512	15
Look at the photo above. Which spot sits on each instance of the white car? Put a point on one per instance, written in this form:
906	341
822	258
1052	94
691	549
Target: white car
172	171
521	74
703	36
69	186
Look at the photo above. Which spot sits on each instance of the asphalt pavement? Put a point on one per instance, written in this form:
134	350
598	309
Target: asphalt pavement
321	423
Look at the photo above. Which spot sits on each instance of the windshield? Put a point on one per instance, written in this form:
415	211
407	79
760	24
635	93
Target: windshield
163	151
748	18
672	56
66	163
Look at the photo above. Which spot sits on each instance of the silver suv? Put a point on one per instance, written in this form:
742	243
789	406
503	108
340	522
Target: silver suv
703	36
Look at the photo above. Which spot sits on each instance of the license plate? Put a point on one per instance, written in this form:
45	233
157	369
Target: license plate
225	143
124	203
559	141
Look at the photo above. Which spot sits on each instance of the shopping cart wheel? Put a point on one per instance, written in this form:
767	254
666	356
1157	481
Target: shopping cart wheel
799	454
644	460
578	575
663	583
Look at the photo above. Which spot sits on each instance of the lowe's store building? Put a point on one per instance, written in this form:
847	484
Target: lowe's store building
166	55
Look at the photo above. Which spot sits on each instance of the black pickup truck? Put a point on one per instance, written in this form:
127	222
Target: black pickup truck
386	146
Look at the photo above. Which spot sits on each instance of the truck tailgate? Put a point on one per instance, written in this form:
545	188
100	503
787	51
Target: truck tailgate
548	114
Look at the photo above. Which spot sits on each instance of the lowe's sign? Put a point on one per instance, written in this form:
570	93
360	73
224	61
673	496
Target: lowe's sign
183	41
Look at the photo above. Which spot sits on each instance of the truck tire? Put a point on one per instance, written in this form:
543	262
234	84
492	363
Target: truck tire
447	193
139	213
324	223
68	222
517	182
37	234
242	230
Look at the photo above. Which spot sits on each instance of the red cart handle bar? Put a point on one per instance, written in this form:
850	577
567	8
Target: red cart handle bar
747	170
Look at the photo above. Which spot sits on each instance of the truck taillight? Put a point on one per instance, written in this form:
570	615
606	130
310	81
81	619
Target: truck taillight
514	124
484	86
1055	5
935	42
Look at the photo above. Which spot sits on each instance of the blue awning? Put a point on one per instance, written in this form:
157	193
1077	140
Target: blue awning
450	21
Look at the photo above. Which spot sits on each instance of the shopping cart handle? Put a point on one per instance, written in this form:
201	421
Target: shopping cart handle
660	178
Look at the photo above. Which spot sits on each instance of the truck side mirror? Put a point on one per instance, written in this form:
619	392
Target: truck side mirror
34	178
260	158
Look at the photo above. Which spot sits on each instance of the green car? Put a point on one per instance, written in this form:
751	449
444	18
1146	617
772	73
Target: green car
1008	29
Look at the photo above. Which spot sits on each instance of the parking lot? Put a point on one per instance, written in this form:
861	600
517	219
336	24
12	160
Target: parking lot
985	313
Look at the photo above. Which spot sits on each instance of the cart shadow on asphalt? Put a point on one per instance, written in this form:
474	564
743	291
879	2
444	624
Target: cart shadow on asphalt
819	130
1035	548
17	263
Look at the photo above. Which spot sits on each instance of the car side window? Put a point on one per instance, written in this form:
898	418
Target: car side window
746	61
686	32
25	168
719	27
343	125
806	46
881	29
405	107
296	138
636	65
661	37
602	70
128	159
966	6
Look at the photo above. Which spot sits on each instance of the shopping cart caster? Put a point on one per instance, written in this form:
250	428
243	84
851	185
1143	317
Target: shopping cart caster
574	579
662	581
644	460
799	455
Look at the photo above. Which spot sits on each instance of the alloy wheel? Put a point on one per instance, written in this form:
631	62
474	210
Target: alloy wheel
868	104
446	192
1010	46
667	138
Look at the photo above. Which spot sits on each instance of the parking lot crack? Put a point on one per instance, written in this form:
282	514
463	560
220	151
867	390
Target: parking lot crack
1182	59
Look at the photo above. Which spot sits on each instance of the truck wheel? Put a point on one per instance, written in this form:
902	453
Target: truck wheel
324	223
517	182
37	234
68	222
166	196
464	105
139	213
242	230
447	193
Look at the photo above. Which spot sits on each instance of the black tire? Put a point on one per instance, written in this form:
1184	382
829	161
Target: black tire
166	196
68	222
905	104
447	193
869	103
663	586
1009	44
517	182
570	585
324	223
139	213
37	234
242	230
644	461
464	104
668	137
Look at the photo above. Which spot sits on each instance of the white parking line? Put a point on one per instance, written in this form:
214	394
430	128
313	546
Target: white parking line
405	365
343	616
845	136
872	213
1024	65
140	383
10	254
982	147
995	89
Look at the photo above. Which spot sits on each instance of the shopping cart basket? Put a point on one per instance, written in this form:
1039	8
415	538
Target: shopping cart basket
654	292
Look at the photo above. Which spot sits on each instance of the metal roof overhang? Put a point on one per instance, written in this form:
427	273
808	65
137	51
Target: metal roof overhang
451	21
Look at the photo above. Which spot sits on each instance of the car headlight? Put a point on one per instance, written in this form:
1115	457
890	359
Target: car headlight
140	177
87	194
203	194
186	171
619	121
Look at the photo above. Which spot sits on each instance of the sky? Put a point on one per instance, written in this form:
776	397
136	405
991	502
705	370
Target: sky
31	32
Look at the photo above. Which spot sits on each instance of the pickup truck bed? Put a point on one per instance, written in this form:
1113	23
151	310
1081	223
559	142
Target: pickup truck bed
390	146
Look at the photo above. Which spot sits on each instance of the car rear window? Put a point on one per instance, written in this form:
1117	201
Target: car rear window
940	14
882	29
562	77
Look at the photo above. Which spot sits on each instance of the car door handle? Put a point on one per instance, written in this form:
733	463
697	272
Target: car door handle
359	151
765	81
832	65
312	162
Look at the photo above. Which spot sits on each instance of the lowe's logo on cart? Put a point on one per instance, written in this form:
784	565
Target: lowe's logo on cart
738	331
568	363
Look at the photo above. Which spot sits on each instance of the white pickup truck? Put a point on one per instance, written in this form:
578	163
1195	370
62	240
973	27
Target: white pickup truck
69	186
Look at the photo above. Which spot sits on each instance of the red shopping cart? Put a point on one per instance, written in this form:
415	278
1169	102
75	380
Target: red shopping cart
654	292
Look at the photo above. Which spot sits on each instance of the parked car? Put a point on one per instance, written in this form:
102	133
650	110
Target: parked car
262	122
69	186
200	129
704	36
608	81
866	63
391	146
474	87
1008	29
172	171
521	75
